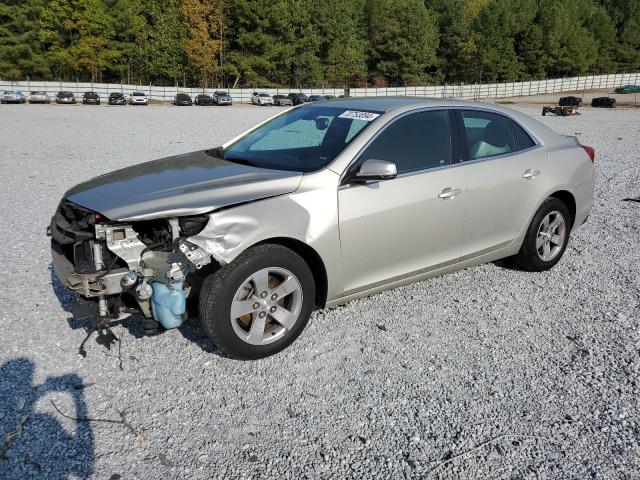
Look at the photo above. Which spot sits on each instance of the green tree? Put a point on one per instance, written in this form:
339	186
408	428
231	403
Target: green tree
20	50
164	60
570	47
403	41
130	35
343	41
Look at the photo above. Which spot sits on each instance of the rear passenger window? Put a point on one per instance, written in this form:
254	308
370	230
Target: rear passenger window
414	142
488	134
523	140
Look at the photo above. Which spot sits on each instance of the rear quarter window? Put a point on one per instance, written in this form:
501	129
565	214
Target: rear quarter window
522	138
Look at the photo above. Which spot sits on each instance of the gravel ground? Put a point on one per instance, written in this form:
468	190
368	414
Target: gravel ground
487	373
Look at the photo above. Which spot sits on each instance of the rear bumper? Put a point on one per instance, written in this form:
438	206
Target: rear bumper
583	194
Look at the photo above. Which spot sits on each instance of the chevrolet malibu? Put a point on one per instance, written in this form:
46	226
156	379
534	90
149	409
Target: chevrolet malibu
319	205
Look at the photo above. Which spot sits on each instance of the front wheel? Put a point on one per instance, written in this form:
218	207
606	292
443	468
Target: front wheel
258	304
546	238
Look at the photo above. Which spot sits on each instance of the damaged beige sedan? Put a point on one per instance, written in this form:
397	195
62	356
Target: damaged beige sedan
314	207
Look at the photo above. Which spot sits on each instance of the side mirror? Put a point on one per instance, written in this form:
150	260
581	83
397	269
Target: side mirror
373	169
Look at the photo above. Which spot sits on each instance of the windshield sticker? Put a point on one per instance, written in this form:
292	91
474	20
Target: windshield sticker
356	115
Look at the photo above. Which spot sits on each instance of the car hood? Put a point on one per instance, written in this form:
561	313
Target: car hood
188	184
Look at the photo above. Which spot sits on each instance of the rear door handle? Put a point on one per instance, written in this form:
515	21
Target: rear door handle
448	193
529	174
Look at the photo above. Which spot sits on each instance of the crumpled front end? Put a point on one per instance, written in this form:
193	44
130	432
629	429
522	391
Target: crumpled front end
124	267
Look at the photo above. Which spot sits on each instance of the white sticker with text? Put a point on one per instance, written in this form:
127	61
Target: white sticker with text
356	115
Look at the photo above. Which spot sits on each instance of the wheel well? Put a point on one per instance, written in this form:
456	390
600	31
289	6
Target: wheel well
568	199
314	261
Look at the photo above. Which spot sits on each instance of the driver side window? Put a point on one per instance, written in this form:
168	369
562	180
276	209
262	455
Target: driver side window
416	141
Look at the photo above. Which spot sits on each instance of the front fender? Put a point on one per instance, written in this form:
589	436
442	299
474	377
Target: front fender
308	215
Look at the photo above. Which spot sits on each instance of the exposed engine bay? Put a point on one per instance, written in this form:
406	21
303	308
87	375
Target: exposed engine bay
122	268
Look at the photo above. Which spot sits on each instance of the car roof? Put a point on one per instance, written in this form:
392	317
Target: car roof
385	104
403	104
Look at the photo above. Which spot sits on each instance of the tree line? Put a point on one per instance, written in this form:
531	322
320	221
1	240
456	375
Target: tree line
314	43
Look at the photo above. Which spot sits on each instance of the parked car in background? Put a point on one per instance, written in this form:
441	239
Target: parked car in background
65	97
318	206
628	89
91	98
13	97
282	100
203	99
603	102
117	98
222	98
182	99
316	98
39	97
261	99
329	97
138	98
298	98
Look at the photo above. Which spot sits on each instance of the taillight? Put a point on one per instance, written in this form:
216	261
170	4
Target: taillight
591	152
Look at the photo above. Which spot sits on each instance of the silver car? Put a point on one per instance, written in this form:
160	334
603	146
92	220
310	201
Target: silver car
319	205
39	97
13	97
261	99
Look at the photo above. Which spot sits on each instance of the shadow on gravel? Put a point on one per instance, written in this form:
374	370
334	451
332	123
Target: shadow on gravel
508	265
34	443
192	331
64	296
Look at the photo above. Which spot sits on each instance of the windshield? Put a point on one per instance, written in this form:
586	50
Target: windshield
302	140
138	94
263	95
221	94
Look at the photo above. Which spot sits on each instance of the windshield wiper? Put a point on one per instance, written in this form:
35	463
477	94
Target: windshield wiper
242	161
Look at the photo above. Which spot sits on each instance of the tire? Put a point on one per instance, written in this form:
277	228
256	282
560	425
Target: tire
531	257
234	281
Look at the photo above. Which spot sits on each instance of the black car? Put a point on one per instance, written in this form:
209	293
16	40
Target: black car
316	98
117	98
203	99
65	97
91	98
603	102
298	98
182	99
222	98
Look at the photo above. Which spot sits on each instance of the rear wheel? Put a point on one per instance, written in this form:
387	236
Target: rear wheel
546	238
258	304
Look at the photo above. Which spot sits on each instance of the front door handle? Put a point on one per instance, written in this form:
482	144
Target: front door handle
448	193
529	174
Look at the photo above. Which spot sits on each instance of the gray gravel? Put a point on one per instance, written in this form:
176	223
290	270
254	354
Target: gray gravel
540	368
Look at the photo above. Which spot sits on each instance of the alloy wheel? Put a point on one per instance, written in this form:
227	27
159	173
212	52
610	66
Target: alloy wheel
551	236
266	305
